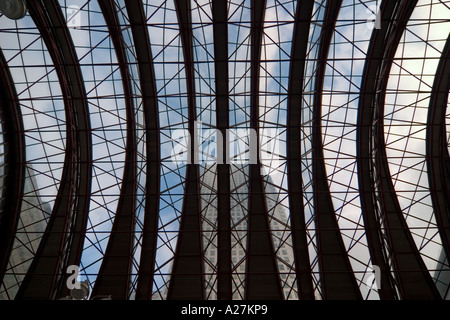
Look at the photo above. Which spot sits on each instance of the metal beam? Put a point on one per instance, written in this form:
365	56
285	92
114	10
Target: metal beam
414	279
149	98
220	30
114	277
336	274
437	150
67	223
364	160
187	278
262	279
14	170
294	172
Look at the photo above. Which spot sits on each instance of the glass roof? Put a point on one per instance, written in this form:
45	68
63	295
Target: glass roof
107	79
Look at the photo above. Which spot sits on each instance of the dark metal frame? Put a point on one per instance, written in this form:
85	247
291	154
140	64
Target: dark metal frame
390	243
67	223
115	272
148	87
14	158
414	280
187	277
336	274
262	278
437	150
220	29
294	173
364	138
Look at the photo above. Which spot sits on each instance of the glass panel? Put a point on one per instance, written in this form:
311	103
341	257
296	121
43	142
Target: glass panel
340	102
170	78
406	108
274	78
103	84
306	134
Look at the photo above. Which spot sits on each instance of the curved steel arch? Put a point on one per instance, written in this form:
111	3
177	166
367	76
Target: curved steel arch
437	151
115	272
294	174
364	161
148	87
187	278
411	277
414	279
220	29
15	156
67	223
261	279
338	279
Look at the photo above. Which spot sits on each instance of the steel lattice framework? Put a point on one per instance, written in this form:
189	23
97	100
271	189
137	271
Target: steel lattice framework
349	101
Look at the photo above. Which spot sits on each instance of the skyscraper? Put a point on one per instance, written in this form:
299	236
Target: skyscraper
239	217
33	220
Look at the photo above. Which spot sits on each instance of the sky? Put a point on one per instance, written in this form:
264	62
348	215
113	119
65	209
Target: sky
339	111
